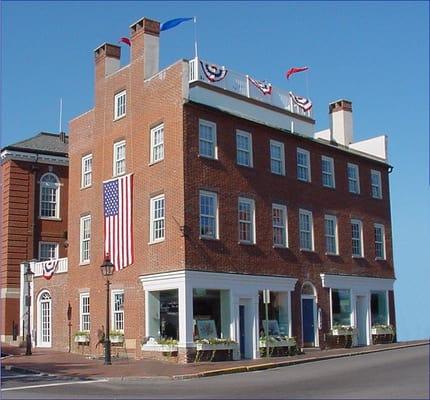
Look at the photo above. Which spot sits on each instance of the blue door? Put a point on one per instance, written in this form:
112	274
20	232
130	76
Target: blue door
308	322
242	330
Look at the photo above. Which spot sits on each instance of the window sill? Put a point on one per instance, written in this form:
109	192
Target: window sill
329	187
155	162
213	239
207	157
277	174
355	193
83	263
156	242
245	166
118	175
279	246
50	218
380	259
358	257
119	118
308	251
247	243
304	180
332	254
376	198
86	187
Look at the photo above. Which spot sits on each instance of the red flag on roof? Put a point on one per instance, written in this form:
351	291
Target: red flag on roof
125	40
294	70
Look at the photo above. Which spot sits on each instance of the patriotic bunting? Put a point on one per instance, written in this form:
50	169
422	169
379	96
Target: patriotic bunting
49	268
302	102
263	86
212	72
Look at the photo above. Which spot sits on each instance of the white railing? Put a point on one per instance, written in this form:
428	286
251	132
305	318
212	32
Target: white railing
63	267
240	84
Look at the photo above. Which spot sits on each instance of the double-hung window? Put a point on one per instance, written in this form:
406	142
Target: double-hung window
157	219
118	310
208	215
341	307
49	196
246	220
379	308
120	104
379	241
85	239
357	238
207	139
330	233
48	251
244	148
86	170
279	222
157	143
327	168
277	157
84	308
353	179
306	227
303	165
375	177
119	158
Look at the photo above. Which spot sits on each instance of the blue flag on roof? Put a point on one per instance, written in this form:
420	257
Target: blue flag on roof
173	22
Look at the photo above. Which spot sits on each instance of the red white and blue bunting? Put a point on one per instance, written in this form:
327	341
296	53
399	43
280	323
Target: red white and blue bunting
263	86
212	72
49	268
302	102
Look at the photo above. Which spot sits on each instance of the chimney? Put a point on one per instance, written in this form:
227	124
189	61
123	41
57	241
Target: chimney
107	59
145	45
341	122
63	137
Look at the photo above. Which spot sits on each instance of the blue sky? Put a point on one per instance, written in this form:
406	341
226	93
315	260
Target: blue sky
375	54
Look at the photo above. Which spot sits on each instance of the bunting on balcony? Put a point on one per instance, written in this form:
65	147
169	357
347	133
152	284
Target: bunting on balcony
302	102
49	268
212	72
263	86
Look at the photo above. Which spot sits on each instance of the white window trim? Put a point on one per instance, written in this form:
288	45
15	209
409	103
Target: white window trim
382	227
212	125
112	302
336	236
281	145
81	314
360	223
357	170
308	164
116	98
309	213
378	173
251	202
81	239
284	209
151	219
331	161
83	159
115	147
57	209
152	134
41	243
250	149
214	195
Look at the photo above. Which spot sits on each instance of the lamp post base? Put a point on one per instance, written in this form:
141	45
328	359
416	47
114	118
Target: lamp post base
28	345
108	360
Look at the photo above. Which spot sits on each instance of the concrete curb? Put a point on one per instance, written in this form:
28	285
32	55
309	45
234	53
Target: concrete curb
26	370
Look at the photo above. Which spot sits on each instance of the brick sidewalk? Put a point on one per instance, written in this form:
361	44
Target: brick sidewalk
60	363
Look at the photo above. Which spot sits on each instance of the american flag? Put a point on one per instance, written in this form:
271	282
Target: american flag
118	226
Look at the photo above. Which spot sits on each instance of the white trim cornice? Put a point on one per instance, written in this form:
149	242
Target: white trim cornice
33	157
356	282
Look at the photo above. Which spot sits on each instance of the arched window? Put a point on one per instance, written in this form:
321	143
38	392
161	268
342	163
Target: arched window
308	289
49	196
44	320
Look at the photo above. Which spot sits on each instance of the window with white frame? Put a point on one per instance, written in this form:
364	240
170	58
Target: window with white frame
157	143
119	158
49	196
85	239
375	177
118	310
379	241
303	165
357	238
306	227
277	157
244	148
327	169
86	170
120	104
208	215
84	309
157	219
353	179
48	251
207	139
330	234
279	223
246	220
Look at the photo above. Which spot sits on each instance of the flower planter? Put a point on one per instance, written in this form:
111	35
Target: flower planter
215	346
290	342
164	348
82	339
342	332
382	331
117	339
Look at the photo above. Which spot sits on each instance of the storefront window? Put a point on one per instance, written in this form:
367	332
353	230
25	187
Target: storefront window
378	304
341	307
211	313
163	321
277	314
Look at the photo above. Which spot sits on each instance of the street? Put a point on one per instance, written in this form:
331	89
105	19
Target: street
402	373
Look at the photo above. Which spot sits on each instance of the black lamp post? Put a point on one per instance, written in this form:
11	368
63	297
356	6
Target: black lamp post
28	278
107	270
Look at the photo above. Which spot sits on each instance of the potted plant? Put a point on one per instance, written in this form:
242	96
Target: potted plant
116	336
82	337
165	345
342	330
381	329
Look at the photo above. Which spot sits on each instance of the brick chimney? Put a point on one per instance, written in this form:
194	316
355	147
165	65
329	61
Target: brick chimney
341	122
107	60
145	45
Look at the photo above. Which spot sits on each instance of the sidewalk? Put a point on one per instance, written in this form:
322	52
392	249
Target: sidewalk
75	365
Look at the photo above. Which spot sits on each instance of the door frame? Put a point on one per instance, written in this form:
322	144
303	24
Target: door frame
249	322
39	335
315	304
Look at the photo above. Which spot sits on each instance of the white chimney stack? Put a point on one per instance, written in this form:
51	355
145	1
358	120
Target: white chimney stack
341	122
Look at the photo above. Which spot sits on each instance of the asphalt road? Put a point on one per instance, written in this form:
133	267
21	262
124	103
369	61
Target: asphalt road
402	374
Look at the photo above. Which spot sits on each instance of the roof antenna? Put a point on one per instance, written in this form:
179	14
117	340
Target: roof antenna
61	114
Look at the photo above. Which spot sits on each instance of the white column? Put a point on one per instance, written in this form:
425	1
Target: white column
22	293
290	331
152	314
33	307
255	333
185	294
225	300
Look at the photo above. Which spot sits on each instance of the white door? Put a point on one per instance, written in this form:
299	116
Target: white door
361	321
45	322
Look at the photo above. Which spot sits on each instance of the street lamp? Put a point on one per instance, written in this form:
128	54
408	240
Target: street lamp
107	270
28	278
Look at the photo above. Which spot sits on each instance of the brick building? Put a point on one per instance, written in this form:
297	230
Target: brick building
34	178
233	193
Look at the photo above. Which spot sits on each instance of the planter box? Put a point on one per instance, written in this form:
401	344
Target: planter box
82	339
212	347
382	331
116	339
342	332
279	343
164	348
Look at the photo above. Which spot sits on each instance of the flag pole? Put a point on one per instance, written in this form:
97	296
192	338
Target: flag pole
61	114
307	84
195	38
